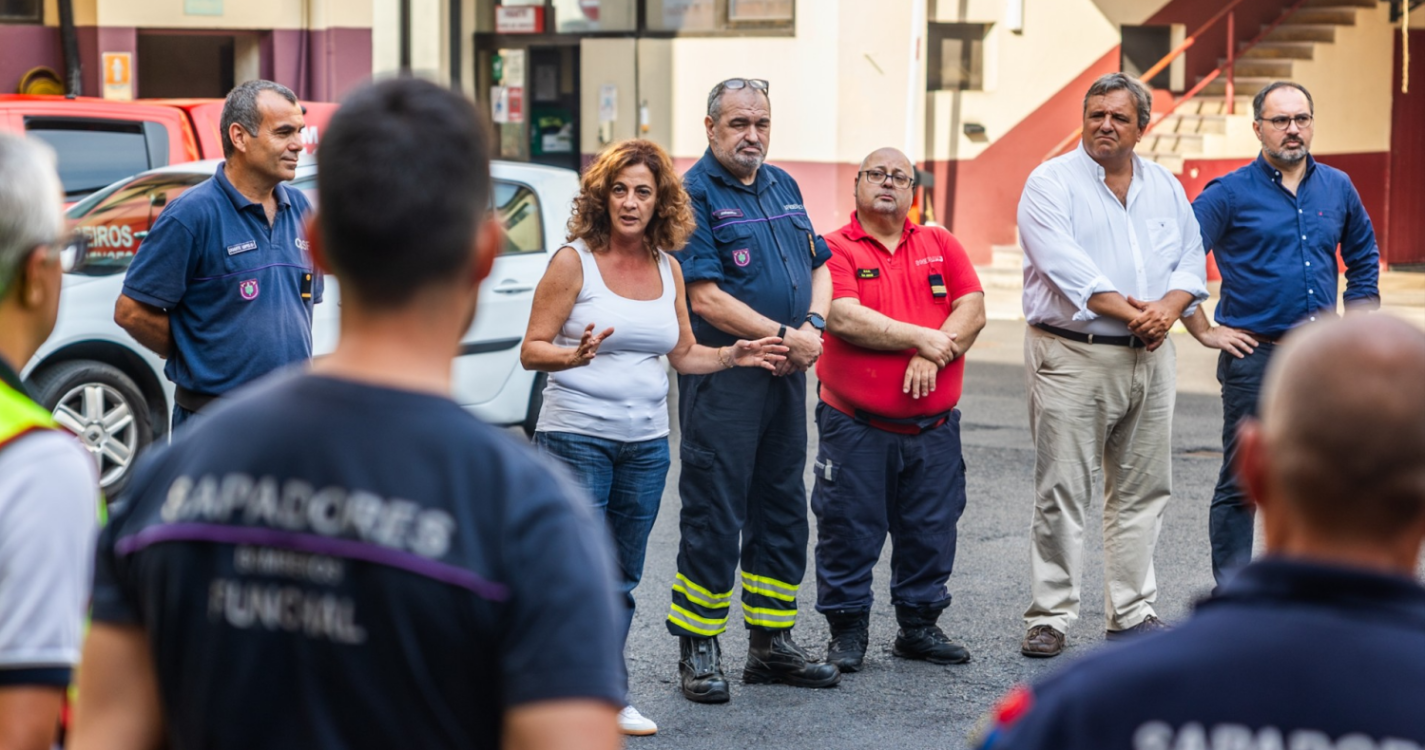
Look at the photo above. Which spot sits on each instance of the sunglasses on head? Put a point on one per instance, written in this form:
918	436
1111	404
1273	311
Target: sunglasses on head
757	84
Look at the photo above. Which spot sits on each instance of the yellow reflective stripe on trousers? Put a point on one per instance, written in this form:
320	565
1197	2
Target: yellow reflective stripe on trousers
680	588
704	592
769	587
769	618
695	624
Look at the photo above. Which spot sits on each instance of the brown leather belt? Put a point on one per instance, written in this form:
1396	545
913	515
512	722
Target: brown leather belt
1261	338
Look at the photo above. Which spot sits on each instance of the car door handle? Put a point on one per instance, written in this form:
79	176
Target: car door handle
510	286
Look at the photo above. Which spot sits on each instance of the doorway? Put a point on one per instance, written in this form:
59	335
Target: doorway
1405	196
175	66
554	106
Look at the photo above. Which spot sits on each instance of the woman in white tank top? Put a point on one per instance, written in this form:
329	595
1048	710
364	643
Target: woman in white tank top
605	412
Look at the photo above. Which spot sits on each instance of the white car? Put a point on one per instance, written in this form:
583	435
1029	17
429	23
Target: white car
111	391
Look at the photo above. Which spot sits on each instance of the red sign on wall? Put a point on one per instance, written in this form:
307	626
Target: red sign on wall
519	19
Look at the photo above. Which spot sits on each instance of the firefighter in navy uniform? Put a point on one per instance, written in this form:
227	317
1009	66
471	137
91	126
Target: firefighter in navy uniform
754	268
1319	644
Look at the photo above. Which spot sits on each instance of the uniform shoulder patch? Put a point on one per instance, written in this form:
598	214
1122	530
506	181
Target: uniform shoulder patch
1011	708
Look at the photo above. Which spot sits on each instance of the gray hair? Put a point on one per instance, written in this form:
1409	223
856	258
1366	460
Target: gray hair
241	108
1142	97
1260	100
715	98
31	211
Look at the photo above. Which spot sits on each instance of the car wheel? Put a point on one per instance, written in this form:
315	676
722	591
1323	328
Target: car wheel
104	407
536	402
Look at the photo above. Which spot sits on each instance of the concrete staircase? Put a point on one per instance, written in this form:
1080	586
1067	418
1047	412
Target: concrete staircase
1202	128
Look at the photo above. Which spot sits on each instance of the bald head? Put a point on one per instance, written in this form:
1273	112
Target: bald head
1343	426
883	198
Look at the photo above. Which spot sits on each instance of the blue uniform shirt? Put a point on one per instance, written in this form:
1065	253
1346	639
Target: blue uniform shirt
1277	251
1289	655
363	568
756	241
231	283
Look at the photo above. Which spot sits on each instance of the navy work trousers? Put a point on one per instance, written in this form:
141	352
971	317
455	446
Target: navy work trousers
1230	518
870	482
744	442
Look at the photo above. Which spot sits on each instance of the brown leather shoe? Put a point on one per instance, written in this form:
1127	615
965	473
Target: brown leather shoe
1042	642
1150	624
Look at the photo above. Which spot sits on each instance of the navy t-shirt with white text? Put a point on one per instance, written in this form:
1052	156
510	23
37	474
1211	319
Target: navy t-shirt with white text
327	564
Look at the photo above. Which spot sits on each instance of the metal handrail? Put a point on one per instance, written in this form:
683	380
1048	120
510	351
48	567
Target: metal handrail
1176	52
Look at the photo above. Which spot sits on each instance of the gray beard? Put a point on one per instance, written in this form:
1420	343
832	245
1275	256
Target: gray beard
1296	154
739	165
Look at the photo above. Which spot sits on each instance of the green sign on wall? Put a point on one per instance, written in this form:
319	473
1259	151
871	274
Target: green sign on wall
203	7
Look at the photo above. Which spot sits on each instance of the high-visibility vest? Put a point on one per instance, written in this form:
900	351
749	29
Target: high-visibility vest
19	415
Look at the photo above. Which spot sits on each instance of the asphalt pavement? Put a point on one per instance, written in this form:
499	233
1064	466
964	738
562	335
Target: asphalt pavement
895	703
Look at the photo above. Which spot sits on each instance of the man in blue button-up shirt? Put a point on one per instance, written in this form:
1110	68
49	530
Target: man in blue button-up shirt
1274	226
754	268
223	286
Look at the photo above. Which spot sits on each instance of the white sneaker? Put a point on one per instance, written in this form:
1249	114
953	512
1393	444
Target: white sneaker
630	721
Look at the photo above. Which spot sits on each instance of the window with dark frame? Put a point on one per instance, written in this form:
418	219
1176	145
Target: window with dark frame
719	16
22	11
956	56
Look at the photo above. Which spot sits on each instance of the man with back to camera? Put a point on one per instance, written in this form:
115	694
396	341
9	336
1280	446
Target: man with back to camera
754	268
223	285
906	306
1320	644
49	486
1112	257
1273	227
297	589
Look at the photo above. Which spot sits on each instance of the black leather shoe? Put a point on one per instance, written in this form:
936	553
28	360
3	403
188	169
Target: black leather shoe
775	657
850	633
701	670
920	638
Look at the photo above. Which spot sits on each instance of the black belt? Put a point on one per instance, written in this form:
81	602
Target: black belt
1132	342
192	401
921	424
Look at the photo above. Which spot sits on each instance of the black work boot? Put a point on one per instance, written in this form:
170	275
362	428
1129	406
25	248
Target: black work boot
850	632
701	670
772	656
920	638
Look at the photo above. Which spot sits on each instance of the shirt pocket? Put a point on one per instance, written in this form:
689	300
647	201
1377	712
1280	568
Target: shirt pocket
1328	225
1166	239
737	248
805	241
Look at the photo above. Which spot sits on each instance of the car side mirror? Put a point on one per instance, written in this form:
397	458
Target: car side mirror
158	200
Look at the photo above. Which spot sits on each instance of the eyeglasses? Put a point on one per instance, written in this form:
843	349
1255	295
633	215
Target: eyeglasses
1282	123
74	253
878	176
757	84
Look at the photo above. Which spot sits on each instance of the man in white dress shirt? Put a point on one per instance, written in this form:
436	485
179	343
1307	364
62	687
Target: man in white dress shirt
1112	258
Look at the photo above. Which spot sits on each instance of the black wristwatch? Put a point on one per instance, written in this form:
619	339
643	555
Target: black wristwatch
817	322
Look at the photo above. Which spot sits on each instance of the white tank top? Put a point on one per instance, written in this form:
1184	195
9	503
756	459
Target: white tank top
623	393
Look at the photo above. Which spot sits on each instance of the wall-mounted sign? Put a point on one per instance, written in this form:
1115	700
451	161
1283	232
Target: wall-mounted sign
519	19
608	103
118	75
203	7
515	94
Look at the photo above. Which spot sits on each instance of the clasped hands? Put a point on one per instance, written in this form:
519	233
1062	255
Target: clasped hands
934	349
1154	321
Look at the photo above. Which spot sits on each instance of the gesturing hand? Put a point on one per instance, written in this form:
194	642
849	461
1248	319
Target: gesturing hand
920	377
588	346
765	353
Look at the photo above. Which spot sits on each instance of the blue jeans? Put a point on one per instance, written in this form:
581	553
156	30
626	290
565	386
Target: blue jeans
626	482
1229	524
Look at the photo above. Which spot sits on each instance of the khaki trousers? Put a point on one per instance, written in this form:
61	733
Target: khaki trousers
1097	409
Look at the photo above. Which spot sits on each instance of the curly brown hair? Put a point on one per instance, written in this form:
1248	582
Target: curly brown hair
672	220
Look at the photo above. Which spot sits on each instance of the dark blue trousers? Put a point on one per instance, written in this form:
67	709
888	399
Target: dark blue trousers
870	482
1231	515
744	444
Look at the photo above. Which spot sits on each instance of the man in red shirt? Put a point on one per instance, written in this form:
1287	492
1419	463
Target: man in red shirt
906	305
